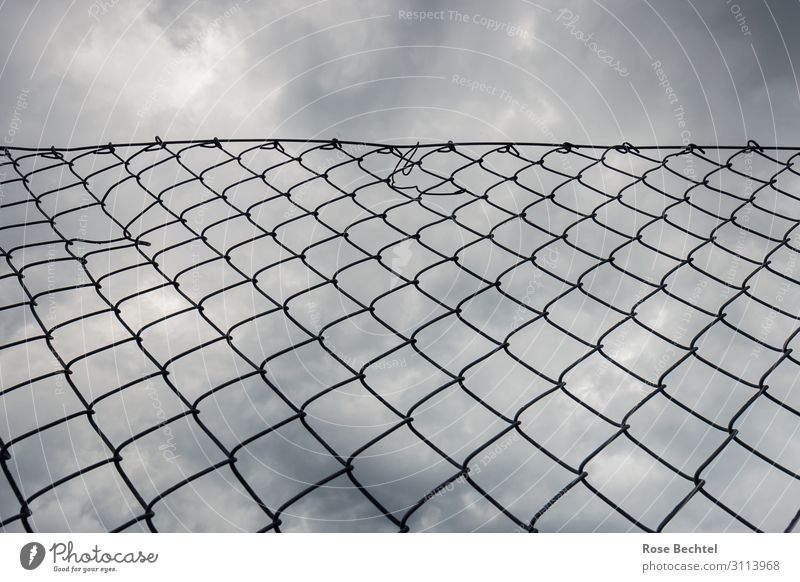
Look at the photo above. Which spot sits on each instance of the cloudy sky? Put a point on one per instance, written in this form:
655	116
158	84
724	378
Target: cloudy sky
281	373
593	72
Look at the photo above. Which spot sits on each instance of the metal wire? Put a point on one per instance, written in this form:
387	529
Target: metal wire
90	180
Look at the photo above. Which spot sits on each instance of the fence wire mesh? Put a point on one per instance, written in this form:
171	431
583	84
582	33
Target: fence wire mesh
332	336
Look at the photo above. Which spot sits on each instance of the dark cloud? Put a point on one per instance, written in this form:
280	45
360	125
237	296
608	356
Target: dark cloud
522	351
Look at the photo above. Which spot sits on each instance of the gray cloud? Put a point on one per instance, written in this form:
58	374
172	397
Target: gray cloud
579	72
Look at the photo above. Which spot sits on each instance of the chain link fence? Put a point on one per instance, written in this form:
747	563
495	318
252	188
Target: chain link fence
291	335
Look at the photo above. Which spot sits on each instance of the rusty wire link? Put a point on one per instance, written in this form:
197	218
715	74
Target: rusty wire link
83	218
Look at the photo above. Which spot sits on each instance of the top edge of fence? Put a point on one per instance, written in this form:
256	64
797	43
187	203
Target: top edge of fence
623	147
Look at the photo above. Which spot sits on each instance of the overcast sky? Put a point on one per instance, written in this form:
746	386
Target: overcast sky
92	72
586	71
